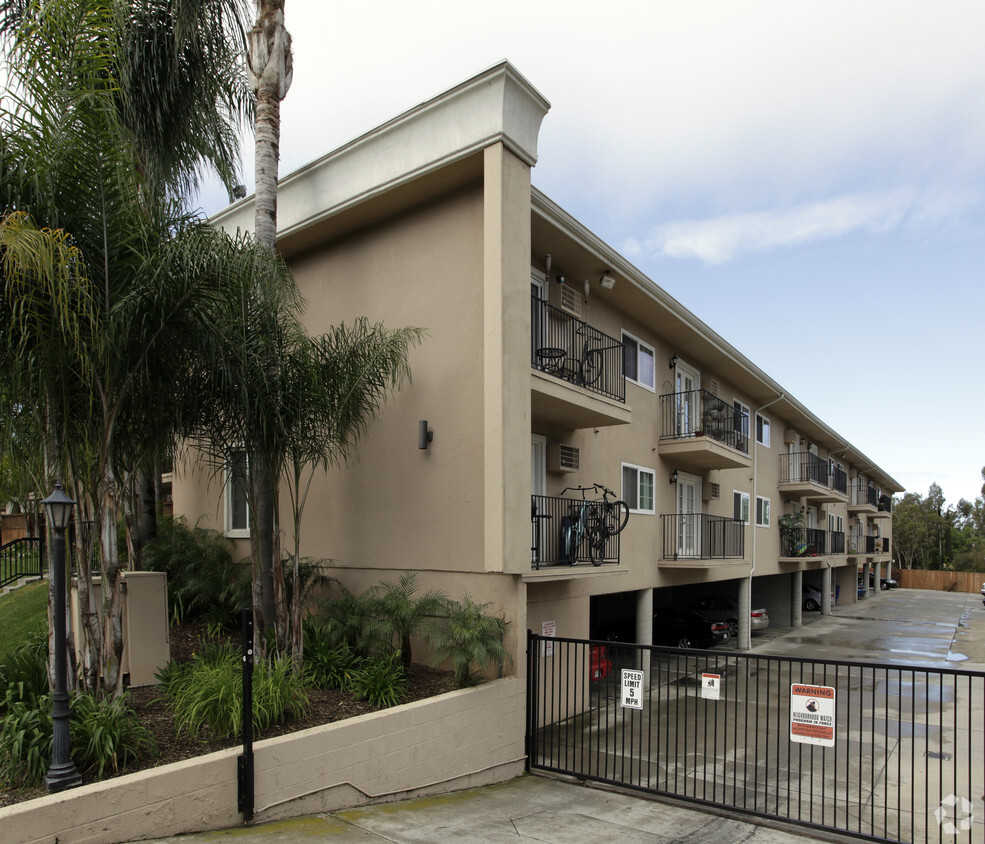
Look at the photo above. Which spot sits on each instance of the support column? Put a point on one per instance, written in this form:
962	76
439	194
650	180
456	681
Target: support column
878	577
866	570
644	626
744	639
797	599
826	591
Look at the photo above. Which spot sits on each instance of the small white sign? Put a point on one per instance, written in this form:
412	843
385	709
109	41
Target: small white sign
711	686
812	714
632	689
548	629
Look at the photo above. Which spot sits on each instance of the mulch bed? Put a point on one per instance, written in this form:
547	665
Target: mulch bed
326	707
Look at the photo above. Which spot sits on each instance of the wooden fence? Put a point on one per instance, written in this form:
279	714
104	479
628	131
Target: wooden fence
941	581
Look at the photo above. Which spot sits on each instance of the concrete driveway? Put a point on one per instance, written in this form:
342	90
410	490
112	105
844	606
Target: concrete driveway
896	627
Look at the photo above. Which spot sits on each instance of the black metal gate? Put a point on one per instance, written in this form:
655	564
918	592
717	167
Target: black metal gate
882	752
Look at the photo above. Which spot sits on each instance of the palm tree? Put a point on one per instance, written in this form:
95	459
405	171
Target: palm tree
80	152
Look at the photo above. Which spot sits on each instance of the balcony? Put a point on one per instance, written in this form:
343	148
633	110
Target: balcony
812	542
867	546
805	475
863	498
884	508
701	431
578	379
551	518
697	539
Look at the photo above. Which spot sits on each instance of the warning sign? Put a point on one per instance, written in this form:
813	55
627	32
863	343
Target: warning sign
632	689
812	714
711	686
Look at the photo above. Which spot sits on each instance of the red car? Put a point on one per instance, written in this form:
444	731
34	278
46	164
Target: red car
601	664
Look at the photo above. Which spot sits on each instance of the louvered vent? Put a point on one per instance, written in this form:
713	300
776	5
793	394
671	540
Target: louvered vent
570	300
716	388
716	490
563	458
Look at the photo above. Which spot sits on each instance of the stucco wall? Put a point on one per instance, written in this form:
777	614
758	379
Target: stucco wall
458	740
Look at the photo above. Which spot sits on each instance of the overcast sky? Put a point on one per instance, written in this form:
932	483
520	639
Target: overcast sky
784	169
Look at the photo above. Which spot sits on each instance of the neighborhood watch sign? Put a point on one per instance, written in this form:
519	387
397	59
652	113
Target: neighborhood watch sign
812	714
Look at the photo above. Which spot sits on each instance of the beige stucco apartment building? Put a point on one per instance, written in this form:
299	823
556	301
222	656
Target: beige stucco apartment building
550	362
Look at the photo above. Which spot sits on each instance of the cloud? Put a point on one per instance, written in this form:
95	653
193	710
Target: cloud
723	239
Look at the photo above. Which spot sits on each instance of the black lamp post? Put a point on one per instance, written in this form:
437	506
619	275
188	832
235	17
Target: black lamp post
62	774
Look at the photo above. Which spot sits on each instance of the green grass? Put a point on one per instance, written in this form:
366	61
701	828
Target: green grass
22	612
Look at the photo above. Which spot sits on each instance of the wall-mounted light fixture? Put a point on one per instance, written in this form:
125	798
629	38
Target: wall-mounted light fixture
559	279
607	281
673	477
424	436
547	265
673	362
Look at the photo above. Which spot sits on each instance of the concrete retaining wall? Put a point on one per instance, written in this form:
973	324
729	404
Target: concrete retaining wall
457	740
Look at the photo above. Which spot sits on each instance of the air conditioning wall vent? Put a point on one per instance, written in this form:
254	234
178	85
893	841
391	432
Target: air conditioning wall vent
713	491
563	458
570	300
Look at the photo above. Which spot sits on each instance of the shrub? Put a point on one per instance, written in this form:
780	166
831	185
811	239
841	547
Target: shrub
328	662
397	614
381	681
202	578
205	695
350	620
105	734
468	635
25	741
24	670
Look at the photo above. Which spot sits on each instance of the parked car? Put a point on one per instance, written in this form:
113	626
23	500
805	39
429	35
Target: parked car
884	582
863	592
601	665
723	609
684	628
812	598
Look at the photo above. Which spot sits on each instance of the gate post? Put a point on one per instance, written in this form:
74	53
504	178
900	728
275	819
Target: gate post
244	763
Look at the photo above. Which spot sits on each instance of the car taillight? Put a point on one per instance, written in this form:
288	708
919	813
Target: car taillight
718	627
758	613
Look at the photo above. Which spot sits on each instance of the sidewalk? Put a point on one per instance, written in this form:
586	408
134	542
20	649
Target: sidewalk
530	808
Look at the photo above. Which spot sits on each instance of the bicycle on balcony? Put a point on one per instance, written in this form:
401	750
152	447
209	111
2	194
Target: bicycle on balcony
591	523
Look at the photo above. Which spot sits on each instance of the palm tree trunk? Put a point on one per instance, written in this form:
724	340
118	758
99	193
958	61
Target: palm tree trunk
269	67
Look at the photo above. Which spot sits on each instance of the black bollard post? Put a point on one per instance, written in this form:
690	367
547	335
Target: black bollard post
244	764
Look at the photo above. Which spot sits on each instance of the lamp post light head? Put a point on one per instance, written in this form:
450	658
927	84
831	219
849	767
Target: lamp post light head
58	507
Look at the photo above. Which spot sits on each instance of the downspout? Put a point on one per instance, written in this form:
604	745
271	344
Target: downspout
745	595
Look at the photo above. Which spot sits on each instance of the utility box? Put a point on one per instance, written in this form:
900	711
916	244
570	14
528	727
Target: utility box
144	599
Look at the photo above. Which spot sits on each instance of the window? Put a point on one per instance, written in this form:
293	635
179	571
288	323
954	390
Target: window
637	488
740	507
237	507
762	430
762	511
638	360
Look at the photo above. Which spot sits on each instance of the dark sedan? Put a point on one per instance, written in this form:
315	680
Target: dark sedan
884	582
683	628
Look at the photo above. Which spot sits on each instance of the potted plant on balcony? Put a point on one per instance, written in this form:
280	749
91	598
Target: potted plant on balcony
793	535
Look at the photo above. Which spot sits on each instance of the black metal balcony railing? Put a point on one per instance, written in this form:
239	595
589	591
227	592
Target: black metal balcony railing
885	504
864	493
812	542
695	413
700	536
839	480
869	545
574	351
803	466
551	518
